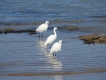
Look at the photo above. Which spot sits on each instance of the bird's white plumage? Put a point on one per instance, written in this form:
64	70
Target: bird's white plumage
51	38
56	47
43	27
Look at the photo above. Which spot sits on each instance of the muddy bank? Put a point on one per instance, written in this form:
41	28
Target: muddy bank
13	30
93	38
96	37
88	39
33	30
64	27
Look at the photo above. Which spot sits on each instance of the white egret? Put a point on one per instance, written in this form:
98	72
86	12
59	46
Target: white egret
51	38
56	47
42	28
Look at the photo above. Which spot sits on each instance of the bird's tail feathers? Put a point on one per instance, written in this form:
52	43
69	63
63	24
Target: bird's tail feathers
45	44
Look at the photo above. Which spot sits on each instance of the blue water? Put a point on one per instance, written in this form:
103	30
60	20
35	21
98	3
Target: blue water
71	12
23	56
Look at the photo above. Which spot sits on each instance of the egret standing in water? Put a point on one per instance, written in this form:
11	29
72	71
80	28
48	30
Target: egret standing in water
56	47
51	38
42	28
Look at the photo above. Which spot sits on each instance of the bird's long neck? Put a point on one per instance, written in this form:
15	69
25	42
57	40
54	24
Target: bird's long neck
46	25
55	33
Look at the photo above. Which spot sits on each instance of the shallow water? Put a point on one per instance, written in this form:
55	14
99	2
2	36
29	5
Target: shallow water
24	55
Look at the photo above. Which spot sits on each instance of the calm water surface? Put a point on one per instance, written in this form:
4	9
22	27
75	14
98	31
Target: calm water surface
23	56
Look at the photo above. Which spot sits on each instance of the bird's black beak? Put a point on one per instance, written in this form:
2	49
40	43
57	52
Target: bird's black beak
64	42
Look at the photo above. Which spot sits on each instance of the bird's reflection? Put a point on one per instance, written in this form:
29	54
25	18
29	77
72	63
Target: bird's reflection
55	63
58	77
51	59
41	43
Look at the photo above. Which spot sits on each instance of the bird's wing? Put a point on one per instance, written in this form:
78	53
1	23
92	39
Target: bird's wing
40	28
54	48
49	40
59	47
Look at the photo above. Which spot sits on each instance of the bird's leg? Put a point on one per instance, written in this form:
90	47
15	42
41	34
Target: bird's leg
39	34
54	54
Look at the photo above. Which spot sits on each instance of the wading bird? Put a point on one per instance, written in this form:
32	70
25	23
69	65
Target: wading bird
51	38
56	47
42	28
